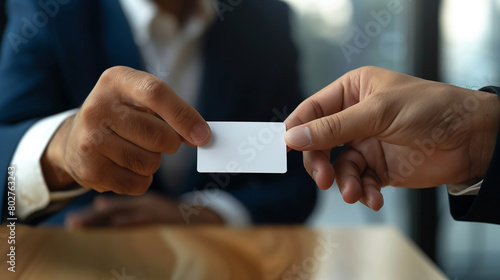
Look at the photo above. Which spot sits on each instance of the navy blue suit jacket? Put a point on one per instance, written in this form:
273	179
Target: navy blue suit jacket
250	74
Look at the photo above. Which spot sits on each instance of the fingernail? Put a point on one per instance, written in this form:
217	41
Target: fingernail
369	203
299	137
199	133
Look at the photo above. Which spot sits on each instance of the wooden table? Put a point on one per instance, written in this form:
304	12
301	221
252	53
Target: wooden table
288	253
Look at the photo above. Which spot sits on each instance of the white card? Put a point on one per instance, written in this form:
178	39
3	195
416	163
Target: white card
244	147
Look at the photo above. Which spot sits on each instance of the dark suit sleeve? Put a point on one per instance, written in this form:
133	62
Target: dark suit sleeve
485	207
26	92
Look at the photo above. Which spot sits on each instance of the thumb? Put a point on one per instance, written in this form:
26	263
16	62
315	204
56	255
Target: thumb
357	121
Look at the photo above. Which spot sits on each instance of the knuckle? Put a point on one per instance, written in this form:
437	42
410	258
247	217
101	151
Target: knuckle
329	126
152	89
182	114
122	185
142	164
84	146
361	76
106	76
109	75
90	175
93	119
90	112
89	140
367	69
318	110
116	71
158	138
148	132
131	160
165	142
378	107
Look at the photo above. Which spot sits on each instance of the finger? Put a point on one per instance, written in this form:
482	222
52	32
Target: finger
145	90
122	220
85	218
146	131
372	195
327	132
374	155
108	205
317	164
287	148
342	93
105	175
130	156
103	212
131	219
348	169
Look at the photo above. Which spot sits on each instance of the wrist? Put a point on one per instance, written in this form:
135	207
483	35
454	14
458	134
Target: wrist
53	165
484	133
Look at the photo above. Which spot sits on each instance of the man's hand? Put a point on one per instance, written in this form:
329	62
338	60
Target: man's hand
150	208
400	131
114	142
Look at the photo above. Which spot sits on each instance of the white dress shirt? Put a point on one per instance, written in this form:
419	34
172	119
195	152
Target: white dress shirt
171	52
463	189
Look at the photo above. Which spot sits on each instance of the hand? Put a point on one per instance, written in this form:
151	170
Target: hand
114	142
150	208
400	131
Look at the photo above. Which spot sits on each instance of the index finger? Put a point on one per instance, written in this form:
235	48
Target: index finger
145	90
341	94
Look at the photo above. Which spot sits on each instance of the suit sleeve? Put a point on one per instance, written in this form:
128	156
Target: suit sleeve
28	90
483	207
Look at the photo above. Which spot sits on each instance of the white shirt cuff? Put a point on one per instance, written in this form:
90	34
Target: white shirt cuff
31	190
463	189
232	212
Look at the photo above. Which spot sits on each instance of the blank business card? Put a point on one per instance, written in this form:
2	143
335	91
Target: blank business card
244	147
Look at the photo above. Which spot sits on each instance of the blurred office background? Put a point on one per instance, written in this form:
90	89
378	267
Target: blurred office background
454	41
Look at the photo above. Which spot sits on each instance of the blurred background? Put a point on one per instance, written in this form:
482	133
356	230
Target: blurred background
454	41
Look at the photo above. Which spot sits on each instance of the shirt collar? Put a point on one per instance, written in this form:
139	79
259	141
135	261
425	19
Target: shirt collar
148	22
